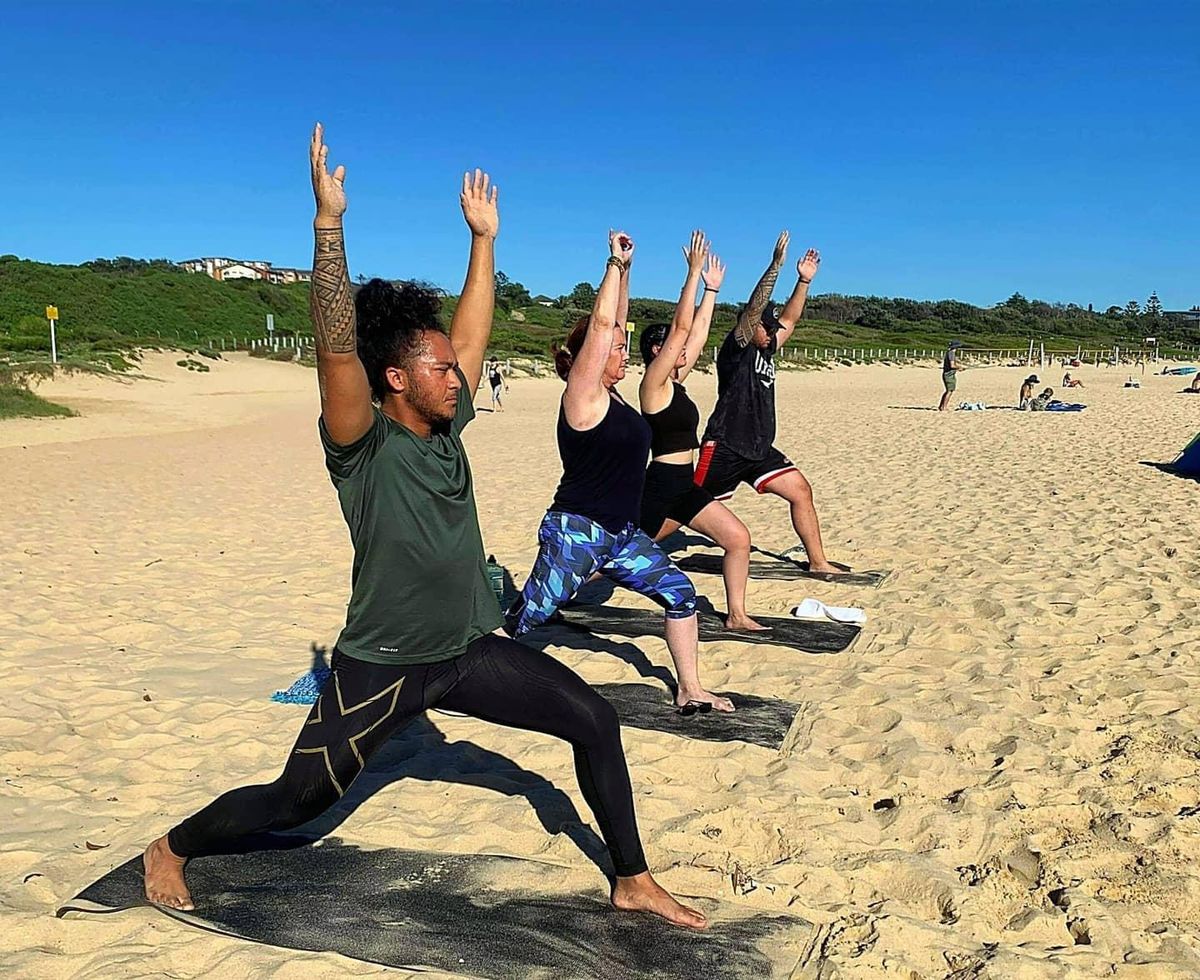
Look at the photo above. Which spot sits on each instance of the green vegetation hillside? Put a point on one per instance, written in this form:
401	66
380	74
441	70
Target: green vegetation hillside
124	303
113	305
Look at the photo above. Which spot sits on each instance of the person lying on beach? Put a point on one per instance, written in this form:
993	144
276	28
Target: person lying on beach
738	442
1195	385
1026	395
1069	382
591	525
671	499
395	396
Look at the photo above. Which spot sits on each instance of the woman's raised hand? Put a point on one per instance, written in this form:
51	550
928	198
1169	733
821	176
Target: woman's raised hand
621	246
714	272
695	252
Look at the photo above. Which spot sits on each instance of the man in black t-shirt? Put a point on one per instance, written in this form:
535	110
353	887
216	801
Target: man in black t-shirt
738	443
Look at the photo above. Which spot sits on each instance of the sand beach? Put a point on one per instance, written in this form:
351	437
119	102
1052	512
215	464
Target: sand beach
1001	778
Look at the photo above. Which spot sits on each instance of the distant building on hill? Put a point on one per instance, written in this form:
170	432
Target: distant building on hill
222	268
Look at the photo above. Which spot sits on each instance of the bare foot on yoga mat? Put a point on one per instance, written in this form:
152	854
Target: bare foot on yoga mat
826	569
163	877
719	703
642	893
743	623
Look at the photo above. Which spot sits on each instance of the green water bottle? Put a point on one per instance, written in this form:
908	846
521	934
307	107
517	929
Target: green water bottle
496	578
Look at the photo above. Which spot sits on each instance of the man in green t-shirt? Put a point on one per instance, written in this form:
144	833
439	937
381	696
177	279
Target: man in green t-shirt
422	627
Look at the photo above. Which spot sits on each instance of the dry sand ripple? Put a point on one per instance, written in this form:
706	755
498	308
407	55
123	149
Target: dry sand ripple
1000	779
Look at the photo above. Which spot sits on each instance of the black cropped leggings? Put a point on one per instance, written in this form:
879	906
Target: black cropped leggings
362	704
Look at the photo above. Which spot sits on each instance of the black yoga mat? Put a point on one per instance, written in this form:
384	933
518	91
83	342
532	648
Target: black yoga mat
470	915
783	570
759	721
808	636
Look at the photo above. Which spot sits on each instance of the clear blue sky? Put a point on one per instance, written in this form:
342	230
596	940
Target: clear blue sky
960	149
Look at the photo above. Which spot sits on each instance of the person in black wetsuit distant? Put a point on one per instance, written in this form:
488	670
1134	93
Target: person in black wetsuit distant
738	441
423	627
671	498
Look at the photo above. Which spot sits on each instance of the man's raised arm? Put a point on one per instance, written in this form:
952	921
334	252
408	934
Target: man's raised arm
345	391
751	315
789	316
471	326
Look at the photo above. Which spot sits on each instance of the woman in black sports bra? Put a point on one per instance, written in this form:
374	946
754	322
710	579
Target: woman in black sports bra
671	499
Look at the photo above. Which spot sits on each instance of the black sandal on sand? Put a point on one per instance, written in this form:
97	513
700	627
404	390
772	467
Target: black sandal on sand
692	707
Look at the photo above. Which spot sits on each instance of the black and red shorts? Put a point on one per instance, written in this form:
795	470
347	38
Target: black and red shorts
720	469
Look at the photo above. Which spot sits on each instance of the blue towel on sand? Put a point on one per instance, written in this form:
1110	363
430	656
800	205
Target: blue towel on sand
306	689
1065	407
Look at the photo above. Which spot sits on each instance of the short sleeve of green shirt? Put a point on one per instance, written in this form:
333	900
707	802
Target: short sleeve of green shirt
419	585
344	462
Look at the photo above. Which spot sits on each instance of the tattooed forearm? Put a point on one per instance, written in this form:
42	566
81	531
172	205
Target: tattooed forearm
330	300
750	316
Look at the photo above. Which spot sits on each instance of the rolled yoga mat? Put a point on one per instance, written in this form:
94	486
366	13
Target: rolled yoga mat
469	915
782	569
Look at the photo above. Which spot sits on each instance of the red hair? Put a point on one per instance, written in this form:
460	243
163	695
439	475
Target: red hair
565	355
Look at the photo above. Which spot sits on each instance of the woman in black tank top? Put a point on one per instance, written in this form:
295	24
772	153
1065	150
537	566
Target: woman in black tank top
592	524
671	499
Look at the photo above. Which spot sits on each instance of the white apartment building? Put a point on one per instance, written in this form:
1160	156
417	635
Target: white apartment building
222	268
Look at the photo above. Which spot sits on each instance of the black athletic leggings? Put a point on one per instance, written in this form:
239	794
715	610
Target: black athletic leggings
362	704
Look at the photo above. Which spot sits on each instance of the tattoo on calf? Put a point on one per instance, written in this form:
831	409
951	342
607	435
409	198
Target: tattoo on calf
331	303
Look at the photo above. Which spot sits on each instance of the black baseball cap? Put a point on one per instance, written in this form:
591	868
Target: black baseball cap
770	318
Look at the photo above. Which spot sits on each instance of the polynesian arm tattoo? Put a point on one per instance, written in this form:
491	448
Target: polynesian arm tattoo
753	311
331	303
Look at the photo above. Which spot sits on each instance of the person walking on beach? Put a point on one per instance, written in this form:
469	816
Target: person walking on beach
950	369
496	380
737	445
422	628
671	499
591	525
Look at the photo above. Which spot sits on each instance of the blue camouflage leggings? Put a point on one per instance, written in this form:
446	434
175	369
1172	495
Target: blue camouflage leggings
573	548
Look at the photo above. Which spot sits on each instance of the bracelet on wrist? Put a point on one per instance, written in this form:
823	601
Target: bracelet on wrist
807	282
615	260
711	289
